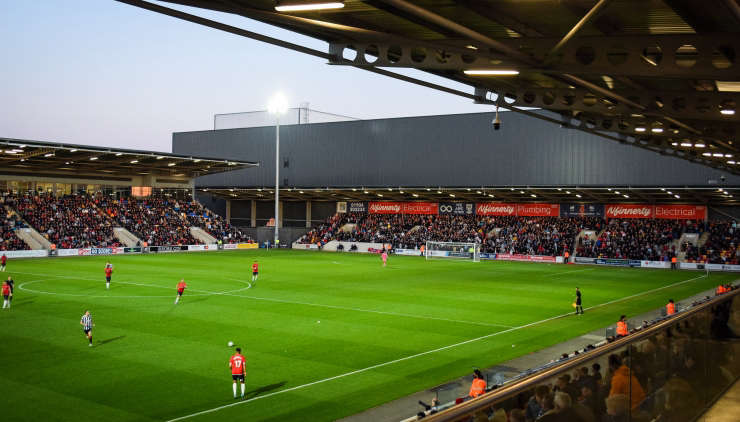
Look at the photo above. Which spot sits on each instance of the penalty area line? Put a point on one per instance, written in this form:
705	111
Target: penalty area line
439	349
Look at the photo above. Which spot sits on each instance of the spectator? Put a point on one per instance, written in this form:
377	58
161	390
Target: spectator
617	407
624	382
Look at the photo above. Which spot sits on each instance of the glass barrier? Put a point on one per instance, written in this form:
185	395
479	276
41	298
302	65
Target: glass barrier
672	371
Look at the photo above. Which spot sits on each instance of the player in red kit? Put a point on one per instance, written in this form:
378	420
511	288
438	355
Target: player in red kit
108	274
181	286
255	271
3	260
237	363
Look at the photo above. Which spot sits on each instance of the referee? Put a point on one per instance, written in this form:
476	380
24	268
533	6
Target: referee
87	324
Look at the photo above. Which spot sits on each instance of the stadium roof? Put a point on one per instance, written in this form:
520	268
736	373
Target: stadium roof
19	157
657	74
717	195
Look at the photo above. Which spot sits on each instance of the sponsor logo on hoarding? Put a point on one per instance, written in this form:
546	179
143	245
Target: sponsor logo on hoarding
629	211
495	209
385	207
420	208
457	208
681	212
529	258
538	210
230	246
247	246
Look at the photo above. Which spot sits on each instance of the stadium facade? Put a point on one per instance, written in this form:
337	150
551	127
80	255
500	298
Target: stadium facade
342	160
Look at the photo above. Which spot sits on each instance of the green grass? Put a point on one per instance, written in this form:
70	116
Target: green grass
153	360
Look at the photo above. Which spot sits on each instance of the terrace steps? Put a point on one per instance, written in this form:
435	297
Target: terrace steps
126	237
202	236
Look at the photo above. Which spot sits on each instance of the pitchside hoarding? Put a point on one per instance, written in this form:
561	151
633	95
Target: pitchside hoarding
524	210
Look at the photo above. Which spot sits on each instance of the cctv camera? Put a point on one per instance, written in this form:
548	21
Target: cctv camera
496	123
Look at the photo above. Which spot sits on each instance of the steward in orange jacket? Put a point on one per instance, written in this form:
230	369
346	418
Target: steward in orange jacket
479	385
622	329
625	383
670	308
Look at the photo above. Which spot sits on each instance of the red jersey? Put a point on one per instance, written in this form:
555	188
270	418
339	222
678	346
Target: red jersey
181	286
254	267
6	289
3	259
108	271
236	363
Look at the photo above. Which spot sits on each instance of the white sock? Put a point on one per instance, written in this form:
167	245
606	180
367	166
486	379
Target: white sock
243	388
5	304
177	299
107	285
234	388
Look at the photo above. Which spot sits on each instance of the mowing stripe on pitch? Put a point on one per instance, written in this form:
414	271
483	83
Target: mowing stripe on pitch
439	349
232	293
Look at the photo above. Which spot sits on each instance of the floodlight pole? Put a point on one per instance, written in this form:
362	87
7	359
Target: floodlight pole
277	175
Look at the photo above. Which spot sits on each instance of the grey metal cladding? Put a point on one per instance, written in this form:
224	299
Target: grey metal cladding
448	150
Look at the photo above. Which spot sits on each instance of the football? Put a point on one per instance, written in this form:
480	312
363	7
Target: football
231	343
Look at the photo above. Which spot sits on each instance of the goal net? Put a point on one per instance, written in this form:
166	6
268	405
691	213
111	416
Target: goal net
452	250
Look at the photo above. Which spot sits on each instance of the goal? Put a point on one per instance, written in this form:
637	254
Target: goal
452	250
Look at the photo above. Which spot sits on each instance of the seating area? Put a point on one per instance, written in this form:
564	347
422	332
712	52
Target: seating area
9	223
642	239
200	216
721	246
156	220
70	221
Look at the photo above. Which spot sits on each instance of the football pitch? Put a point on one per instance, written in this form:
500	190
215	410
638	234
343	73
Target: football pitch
325	335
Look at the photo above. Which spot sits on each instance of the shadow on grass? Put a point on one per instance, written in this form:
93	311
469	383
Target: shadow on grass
22	302
256	392
106	341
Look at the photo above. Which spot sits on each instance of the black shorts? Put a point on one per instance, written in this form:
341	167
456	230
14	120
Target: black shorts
107	278
578	302
237	377
86	331
6	297
179	292
255	272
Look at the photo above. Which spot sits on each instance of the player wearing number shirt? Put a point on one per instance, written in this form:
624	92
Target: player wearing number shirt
237	363
108	274
255	270
7	294
181	286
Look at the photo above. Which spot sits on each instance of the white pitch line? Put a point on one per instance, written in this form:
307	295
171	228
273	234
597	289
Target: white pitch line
439	349
205	292
568	272
231	293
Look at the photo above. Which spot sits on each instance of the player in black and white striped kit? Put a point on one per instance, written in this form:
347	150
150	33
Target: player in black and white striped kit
87	324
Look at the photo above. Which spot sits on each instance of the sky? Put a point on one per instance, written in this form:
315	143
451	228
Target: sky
100	72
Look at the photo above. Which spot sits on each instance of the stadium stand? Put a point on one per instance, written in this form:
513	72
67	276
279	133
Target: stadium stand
9	223
157	220
199	216
642	239
70	221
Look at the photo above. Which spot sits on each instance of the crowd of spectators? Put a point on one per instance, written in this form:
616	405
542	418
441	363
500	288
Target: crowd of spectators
721	246
199	216
9	223
69	221
536	235
642	239
156	220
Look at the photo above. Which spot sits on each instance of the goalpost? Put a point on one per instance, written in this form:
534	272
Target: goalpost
452	250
